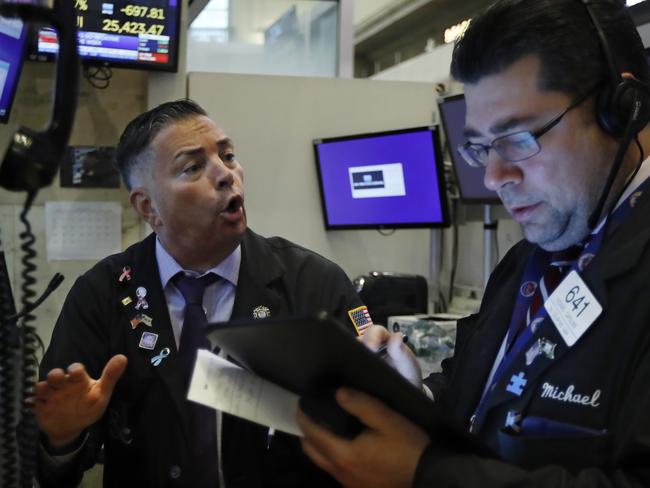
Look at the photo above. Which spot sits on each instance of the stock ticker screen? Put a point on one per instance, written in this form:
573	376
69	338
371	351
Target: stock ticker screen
132	34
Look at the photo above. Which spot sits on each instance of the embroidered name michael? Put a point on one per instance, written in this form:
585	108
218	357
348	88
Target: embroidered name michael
567	395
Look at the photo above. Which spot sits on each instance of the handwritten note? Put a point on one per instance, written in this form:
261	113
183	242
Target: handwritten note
222	385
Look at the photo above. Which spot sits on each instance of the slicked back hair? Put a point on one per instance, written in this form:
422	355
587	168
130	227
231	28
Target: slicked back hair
132	151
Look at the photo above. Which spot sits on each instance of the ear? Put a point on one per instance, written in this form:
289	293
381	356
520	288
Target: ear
143	204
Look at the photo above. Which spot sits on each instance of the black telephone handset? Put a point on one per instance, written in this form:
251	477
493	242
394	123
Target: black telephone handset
30	163
33	157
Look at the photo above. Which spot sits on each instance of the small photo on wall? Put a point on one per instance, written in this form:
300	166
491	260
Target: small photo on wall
89	167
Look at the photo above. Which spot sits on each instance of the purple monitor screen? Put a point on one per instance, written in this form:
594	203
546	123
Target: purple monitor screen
388	179
12	43
127	34
470	180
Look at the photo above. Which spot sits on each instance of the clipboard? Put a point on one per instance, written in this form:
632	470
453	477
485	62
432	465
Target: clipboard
310	355
314	355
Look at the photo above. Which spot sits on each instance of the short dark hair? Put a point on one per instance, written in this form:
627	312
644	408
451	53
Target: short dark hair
139	133
560	33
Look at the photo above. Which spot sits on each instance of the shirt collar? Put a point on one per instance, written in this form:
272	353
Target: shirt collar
640	176
168	267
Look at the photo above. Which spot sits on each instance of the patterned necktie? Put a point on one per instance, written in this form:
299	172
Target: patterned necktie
559	265
203	419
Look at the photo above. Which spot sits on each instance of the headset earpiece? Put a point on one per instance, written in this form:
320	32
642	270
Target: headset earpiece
615	107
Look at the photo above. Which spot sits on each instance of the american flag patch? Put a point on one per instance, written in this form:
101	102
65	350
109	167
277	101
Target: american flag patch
360	318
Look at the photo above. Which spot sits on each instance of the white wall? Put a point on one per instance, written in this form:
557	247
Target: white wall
366	9
431	66
273	120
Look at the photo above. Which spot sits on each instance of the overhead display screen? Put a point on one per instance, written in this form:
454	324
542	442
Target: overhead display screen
131	34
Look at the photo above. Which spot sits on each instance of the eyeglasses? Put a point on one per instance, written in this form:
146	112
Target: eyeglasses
516	146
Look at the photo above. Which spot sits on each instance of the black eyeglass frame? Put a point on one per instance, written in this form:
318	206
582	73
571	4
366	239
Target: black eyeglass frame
533	136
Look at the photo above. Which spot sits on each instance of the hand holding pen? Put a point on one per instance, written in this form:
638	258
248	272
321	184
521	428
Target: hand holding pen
394	351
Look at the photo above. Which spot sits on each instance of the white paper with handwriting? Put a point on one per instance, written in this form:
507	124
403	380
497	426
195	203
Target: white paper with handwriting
222	385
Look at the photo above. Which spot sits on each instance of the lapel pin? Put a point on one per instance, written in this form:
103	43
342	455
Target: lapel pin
528	289
542	347
126	301
135	321
261	312
141	318
517	383
535	324
148	340
360	318
513	420
126	274
156	360
584	260
141	292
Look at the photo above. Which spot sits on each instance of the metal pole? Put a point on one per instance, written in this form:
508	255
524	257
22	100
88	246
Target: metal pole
488	228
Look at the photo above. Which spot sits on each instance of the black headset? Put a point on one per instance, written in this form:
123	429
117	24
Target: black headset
622	100
622	110
33	157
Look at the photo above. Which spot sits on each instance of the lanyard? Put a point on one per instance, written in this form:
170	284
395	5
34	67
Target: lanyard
537	263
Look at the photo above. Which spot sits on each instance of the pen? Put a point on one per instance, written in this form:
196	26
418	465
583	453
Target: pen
383	349
269	437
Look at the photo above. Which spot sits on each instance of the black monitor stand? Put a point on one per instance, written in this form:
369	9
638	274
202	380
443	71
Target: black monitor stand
489	233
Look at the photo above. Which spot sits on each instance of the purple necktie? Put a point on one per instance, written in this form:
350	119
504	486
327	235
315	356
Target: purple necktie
203	419
194	319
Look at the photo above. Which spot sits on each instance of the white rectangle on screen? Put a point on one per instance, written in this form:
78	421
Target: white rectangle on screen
376	181
11	27
4	71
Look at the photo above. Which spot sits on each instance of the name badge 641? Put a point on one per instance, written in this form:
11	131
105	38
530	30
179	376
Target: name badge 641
573	308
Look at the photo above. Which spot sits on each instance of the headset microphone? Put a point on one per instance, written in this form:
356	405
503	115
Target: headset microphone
630	133
622	110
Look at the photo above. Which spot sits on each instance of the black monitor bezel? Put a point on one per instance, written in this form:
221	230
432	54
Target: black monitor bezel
442	183
463	198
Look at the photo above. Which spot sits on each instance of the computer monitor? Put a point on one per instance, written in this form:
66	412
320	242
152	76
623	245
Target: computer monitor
140	34
12	51
469	179
390	179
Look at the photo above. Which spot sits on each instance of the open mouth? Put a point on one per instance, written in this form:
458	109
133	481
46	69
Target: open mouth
234	204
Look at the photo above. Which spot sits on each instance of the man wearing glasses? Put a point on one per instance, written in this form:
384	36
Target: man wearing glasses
553	373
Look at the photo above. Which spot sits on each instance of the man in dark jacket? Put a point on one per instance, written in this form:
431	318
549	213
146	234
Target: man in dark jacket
127	323
553	373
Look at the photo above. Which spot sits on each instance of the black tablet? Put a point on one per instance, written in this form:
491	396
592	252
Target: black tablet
312	356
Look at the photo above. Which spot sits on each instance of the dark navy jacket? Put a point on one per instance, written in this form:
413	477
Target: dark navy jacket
149	401
586	416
